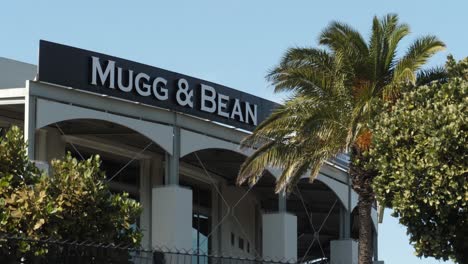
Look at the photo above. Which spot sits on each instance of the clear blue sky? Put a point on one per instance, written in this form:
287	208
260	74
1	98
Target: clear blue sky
230	42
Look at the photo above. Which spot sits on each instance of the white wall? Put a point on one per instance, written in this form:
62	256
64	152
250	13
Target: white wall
280	236
172	217
245	213
344	251
13	74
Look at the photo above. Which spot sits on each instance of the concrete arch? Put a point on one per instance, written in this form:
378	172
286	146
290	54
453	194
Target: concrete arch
49	112
191	142
339	189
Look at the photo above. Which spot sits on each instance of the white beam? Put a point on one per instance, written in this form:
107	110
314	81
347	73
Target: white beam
107	146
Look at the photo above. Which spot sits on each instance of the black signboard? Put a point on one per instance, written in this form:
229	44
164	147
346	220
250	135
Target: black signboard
116	77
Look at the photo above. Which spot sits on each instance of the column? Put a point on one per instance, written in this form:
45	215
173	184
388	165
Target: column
172	217
375	244
30	123
171	212
376	251
282	202
345	225
279	236
343	251
145	201
40	149
172	161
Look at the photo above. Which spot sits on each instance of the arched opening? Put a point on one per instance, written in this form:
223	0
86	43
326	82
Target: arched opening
318	211
132	162
318	217
316	206
234	215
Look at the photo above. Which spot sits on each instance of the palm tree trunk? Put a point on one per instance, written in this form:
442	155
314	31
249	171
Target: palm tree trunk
365	231
362	184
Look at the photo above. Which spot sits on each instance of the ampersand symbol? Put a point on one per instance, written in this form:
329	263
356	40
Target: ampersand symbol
183	95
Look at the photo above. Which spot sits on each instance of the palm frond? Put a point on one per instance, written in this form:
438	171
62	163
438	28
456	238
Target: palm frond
388	25
301	69
249	169
375	50
387	33
337	92
417	55
340	37
432	74
291	175
303	130
365	107
394	39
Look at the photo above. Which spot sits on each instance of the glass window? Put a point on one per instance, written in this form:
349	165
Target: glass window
201	226
201	222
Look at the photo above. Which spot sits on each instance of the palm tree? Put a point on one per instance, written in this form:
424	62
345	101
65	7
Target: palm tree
337	92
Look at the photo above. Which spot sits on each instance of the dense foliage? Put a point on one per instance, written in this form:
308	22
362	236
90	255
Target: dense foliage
421	153
72	203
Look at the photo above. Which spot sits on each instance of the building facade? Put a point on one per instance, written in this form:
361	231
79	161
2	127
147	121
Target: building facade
172	142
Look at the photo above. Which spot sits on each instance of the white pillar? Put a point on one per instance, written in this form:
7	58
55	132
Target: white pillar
279	236
343	251
145	201
41	150
30	122
172	217
172	161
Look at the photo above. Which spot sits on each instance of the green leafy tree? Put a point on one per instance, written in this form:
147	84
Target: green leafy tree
88	210
336	92
72	203
24	203
420	150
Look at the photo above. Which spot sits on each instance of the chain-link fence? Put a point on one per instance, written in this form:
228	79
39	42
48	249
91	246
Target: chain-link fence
16	250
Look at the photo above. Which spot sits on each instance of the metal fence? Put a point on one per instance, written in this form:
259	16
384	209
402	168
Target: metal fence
18	250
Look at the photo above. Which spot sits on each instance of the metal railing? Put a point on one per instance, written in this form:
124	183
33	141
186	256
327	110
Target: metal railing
18	250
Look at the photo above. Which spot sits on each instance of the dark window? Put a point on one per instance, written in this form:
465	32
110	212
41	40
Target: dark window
233	239
241	243
201	196
248	247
